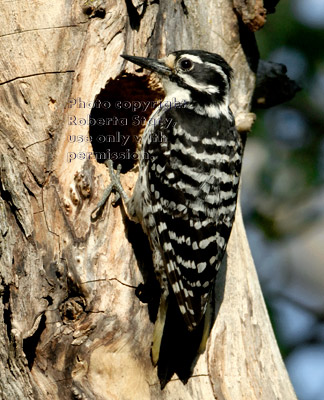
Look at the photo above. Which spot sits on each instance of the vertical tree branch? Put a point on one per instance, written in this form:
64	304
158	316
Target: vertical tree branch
71	325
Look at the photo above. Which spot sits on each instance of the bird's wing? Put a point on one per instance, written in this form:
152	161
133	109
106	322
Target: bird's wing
193	180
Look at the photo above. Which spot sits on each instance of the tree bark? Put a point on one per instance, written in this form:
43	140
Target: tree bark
70	323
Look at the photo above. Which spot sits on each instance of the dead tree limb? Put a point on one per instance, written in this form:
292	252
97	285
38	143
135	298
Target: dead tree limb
70	324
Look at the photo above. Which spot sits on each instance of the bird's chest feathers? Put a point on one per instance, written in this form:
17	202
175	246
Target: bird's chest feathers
175	136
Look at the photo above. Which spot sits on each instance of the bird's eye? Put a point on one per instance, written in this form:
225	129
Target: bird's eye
186	65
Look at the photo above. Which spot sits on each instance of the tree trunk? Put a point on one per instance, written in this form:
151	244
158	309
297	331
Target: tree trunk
70	323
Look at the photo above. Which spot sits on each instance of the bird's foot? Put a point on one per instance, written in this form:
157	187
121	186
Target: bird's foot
114	186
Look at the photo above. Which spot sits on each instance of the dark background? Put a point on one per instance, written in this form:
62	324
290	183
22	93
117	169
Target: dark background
283	193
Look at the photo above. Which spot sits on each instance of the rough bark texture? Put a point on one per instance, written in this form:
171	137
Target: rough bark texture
70	323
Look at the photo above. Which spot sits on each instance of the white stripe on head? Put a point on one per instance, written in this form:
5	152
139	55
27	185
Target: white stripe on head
190	81
219	70
172	90
192	58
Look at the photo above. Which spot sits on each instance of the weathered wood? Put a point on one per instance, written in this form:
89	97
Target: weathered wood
70	323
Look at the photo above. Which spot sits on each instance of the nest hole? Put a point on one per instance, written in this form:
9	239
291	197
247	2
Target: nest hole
118	118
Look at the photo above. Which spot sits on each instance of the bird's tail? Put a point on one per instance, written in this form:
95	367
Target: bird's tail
175	349
159	328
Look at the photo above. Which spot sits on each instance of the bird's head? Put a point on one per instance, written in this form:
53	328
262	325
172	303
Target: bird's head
191	75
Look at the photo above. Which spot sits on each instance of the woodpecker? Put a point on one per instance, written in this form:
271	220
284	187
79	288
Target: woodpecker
186	192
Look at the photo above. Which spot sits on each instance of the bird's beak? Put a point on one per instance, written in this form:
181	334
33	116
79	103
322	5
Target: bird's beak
157	66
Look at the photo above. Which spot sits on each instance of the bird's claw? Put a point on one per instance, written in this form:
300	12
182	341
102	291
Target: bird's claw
115	186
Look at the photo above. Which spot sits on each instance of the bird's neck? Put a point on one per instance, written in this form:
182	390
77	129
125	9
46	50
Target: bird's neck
176	94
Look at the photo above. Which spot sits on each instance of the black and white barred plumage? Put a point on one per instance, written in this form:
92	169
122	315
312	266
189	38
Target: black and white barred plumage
185	196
